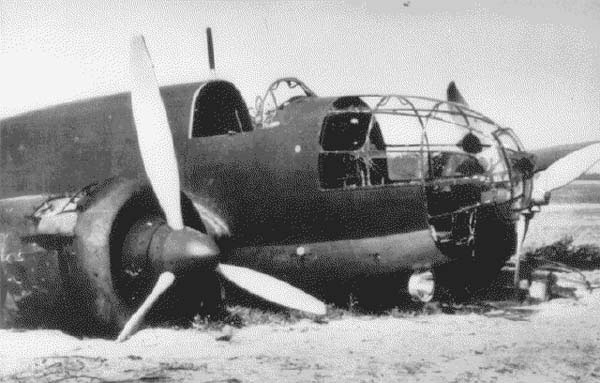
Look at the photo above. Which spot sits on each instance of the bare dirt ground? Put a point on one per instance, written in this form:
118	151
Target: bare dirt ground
555	341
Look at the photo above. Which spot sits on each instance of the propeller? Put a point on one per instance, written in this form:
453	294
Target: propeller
154	137
559	174
521	228
165	280
565	170
271	289
183	245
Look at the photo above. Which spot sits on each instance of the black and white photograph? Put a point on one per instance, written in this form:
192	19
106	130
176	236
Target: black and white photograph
299	191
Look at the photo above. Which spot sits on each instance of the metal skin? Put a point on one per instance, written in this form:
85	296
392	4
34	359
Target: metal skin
257	193
258	196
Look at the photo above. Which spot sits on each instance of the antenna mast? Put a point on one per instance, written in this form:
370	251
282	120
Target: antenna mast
211	52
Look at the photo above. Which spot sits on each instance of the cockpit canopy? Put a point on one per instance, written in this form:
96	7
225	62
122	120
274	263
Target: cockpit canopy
280	94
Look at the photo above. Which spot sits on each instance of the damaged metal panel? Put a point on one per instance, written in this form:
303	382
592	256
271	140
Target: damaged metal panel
35	238
56	216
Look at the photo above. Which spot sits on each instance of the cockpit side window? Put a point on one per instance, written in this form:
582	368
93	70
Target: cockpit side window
353	151
343	134
219	109
345	131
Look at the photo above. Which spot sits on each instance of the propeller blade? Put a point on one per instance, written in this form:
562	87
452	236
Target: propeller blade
272	289
521	227
154	135
566	170
165	280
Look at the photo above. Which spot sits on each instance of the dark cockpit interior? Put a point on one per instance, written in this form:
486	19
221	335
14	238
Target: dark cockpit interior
352	151
219	109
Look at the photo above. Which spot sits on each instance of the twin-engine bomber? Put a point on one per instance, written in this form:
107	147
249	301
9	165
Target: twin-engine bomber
139	205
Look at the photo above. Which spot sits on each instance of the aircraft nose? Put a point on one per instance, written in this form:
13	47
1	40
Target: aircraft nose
180	251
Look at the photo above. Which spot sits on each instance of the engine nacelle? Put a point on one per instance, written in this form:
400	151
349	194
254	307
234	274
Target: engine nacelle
109	270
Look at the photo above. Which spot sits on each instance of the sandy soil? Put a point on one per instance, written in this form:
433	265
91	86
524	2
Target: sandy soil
555	341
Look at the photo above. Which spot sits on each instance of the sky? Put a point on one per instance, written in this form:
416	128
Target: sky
530	65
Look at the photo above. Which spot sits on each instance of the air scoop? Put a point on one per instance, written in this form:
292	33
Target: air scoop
180	251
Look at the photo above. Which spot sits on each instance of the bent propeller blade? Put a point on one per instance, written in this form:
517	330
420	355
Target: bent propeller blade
154	134
566	169
272	289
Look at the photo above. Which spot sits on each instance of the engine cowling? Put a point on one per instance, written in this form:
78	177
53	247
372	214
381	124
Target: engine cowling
112	268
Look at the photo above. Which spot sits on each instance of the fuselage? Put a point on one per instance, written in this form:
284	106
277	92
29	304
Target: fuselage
275	196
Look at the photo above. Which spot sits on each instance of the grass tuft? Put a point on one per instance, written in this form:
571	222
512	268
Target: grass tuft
583	257
240	316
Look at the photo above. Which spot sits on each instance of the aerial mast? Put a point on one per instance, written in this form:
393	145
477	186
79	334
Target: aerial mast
211	52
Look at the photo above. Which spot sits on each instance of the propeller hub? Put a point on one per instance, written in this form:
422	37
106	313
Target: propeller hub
181	251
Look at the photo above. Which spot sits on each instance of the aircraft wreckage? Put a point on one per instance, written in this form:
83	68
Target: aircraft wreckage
141	204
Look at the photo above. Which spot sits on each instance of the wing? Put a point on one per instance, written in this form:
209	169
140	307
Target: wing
31	228
33	215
